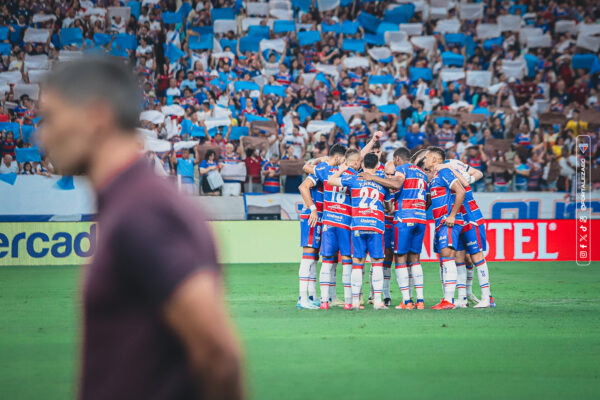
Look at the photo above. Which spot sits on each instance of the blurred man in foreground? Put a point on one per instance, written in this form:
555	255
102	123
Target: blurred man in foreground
155	326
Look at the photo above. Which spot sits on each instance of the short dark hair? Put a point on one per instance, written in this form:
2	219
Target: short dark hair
337	149
416	155
102	78
403	153
438	150
370	160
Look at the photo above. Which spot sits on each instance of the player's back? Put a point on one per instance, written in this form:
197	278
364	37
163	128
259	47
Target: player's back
410	199
442	197
367	204
337	204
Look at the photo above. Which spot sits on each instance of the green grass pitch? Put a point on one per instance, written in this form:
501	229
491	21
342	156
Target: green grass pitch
541	342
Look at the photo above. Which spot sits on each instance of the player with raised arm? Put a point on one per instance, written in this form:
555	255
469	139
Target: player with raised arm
388	237
335	235
368	208
410	183
447	196
473	242
310	238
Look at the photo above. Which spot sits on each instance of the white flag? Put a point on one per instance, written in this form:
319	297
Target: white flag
184	144
173	109
424	42
273	44
224	25
356	62
39	61
156	117
471	11
36	75
589	29
448	25
452	74
412	29
380	53
34	35
326	5
479	78
564	25
509	23
488	31
539	41
253	8
32	90
320	126
588	42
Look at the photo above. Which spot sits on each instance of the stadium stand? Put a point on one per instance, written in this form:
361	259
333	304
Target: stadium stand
241	91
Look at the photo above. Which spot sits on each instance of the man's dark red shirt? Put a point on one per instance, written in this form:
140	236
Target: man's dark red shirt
150	239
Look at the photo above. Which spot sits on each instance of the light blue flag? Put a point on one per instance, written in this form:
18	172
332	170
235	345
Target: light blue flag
202	42
245	85
9	178
308	37
65	183
281	26
381	79
277	90
173	52
69	36
28	154
355	45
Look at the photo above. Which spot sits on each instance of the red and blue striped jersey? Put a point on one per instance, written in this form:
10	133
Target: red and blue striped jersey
367	203
410	199
470	209
389	216
442	197
337	204
271	184
316	192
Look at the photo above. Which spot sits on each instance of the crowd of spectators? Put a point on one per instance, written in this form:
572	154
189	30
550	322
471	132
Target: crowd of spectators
232	89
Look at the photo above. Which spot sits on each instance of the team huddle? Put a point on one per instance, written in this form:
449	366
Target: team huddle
355	206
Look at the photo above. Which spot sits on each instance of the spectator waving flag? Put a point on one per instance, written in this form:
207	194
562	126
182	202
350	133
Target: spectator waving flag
172	17
452	59
282	26
322	78
201	42
381	79
354	45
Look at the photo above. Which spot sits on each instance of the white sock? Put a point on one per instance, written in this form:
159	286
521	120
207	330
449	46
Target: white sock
442	277
377	282
402	279
332	282
371	281
461	281
312	281
417	273
449	279
484	279
469	279
387	275
347	280
304	275
324	277
411	283
357	280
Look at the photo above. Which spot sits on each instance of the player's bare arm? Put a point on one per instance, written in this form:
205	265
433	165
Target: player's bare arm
335	179
395	182
367	149
304	189
196	314
459	192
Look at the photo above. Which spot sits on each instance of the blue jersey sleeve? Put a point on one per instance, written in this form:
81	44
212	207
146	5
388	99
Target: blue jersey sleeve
402	169
348	180
204	164
447	176
313	179
322	171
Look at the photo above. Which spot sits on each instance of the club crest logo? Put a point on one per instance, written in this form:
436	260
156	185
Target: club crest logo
583	147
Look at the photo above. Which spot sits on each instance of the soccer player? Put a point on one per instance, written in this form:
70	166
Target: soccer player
388	238
367	222
473	242
410	183
336	219
447	196
310	239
